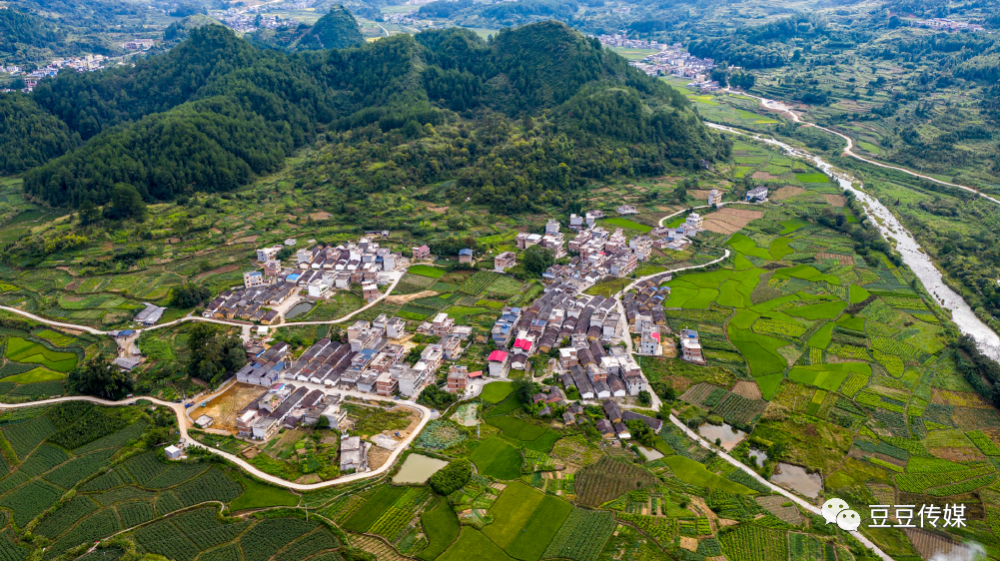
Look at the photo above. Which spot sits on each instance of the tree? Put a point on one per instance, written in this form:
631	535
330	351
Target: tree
536	259
322	423
453	477
126	203
89	213
524	389
100	377
214	354
645	399
188	296
433	396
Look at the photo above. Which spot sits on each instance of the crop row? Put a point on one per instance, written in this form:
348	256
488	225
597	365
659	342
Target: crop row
752	543
920	482
582	536
659	528
145	467
135	512
98	525
65	516
309	545
477	283
43	459
984	442
392	521
78	469
25	437
267	537
213	486
162	538
964	486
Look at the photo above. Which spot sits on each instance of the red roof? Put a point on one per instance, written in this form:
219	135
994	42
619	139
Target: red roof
497	356
424	248
655	335
522	344
476	374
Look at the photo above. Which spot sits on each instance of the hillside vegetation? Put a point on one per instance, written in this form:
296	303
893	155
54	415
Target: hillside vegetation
536	112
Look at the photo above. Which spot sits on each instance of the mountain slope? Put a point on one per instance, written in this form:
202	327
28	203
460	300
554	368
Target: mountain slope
336	30
547	105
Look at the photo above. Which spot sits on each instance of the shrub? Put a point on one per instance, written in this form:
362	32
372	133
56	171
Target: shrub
453	477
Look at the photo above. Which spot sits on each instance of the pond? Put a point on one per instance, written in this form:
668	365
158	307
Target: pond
650	454
417	469
300	309
796	478
727	434
759	456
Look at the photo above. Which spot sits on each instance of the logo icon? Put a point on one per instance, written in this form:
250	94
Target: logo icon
848	520
836	511
832	508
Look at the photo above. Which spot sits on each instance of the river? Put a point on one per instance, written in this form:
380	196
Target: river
914	257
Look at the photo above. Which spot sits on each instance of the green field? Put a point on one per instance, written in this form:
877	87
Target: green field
497	391
427	271
828	376
525	521
29	352
694	473
260	495
472	544
40	374
496	458
441	526
620	222
826	310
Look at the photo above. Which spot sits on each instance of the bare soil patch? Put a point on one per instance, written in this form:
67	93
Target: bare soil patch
404	298
957	454
690	544
787	192
747	389
224	407
772	504
835	200
730	220
763	176
841	259
700	194
930	545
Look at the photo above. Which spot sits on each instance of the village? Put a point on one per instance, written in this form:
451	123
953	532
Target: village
584	345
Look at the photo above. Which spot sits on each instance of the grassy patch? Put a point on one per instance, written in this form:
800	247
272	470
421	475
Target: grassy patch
441	527
828	376
259	495
694	473
373	508
816	177
858	294
497	391
472	544
620	222
427	271
496	458
826	310
821	339
40	374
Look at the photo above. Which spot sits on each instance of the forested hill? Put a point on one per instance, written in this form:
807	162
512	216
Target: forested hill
336	30
548	106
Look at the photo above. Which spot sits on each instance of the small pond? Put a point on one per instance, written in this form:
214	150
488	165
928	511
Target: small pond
417	469
300	309
758	455
650	454
728	435
796	478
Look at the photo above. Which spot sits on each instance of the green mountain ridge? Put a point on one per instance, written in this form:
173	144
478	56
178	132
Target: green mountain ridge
337	29
216	111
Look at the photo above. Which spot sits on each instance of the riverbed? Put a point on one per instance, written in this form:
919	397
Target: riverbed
417	469
913	256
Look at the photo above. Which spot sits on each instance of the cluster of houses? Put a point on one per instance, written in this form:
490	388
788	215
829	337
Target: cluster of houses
645	315
324	268
251	304
369	362
676	61
949	25
138	44
248	23
622	40
553	240
615	424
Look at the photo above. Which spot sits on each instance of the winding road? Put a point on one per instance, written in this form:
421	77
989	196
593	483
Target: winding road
184	422
779	107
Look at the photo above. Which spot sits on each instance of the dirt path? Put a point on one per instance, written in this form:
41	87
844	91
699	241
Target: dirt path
407	298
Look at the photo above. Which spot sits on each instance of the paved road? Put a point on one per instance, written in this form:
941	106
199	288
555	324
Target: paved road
184	423
53	323
801	502
787	111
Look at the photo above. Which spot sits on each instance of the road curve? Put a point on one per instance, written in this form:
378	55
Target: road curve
182	424
801	502
39	319
785	110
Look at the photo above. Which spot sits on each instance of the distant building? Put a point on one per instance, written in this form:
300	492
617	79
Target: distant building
173	452
691	347
253	279
465	256
504	261
268	253
694	221
150	315
353	454
757	194
715	197
421	252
